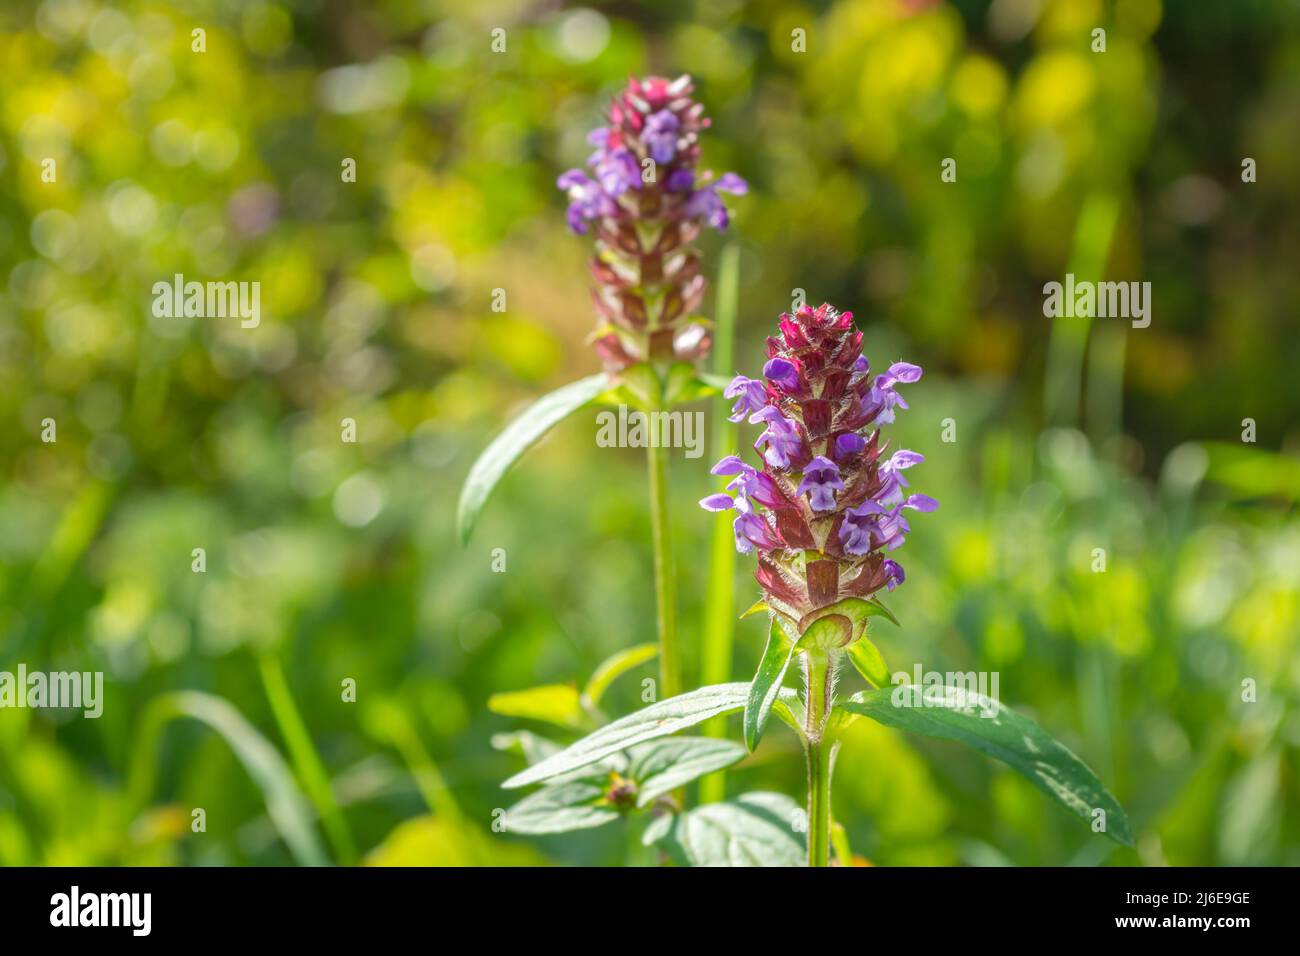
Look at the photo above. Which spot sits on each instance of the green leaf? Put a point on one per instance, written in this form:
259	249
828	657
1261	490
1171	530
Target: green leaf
658	720
766	685
954	713
754	830
661	766
520	435
614	667
870	663
577	805
553	703
285	804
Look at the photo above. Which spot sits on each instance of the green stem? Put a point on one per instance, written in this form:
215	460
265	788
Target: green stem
670	664
717	632
819	803
818	673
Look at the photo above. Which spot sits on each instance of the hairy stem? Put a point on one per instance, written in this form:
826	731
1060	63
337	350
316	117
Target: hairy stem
670	664
819	680
819	803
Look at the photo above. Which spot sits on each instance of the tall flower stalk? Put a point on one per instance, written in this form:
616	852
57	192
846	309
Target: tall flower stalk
644	202
822	513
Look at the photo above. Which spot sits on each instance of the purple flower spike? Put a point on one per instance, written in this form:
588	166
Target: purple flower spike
818	405
783	373
821	479
645	224
751	395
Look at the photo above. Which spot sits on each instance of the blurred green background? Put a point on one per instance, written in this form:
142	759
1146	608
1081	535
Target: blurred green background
328	560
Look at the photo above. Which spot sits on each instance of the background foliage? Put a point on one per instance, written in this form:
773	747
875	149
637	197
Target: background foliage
329	560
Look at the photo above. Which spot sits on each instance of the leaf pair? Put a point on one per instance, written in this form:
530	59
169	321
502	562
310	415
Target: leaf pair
840	624
580	800
949	713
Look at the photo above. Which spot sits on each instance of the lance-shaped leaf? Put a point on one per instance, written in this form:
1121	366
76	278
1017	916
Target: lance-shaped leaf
520	435
955	713
661	766
757	829
559	808
658	720
766	685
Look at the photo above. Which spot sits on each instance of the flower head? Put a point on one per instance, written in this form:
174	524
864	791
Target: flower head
645	202
827	505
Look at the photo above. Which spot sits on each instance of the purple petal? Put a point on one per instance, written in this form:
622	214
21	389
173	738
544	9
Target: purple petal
731	183
904	459
731	465
905	372
922	503
572	178
850	443
718	502
782	372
